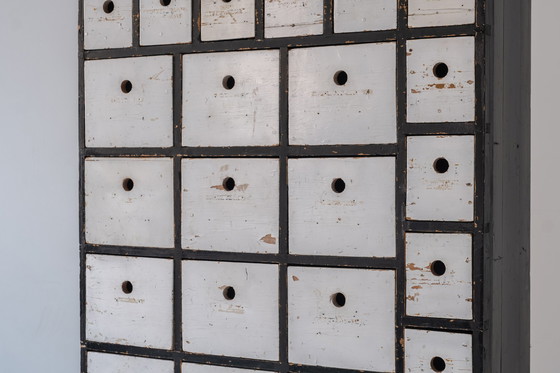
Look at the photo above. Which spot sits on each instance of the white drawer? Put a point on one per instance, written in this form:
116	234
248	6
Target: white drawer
342	94
222	20
427	13
129	102
129	201
285	18
165	21
129	301
364	15
107	24
105	363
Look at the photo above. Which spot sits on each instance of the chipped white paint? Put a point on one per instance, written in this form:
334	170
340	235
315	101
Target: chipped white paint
221	20
440	196
245	115
364	15
105	363
429	295
447	99
199	368
142	317
104	30
362	111
244	219
142	216
141	118
245	326
360	221
421	346
285	18
359	335
426	13
165	24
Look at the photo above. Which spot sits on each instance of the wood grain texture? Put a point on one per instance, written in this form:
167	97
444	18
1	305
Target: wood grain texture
142	216
359	335
222	20
431	195
447	99
361	111
364	15
422	346
245	326
142	317
428	13
161	24
285	18
429	295
143	117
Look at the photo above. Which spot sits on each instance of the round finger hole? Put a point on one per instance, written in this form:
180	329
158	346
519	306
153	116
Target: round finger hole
128	184
340	77
441	165
165	2
108	6
228	82
441	70
338	185
438	364
438	268
228	184
126	86
127	287
226	1
229	293
338	299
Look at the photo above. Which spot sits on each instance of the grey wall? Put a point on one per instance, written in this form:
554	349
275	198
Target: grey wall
545	215
39	305
39	312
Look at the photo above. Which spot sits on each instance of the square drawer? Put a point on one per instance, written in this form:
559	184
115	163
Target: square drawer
129	301
439	275
107	24
364	15
440	178
230	204
200	368
427	13
165	21
231	98
231	309
342	318
221	20
129	201
129	102
429	351
285	18
441	80
342	206
104	363
337	88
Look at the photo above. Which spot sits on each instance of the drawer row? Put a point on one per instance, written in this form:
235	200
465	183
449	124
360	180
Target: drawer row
109	23
336	317
233	98
336	206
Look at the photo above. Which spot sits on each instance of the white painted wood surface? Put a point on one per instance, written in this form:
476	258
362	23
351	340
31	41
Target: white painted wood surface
360	221
245	115
142	216
362	111
426	13
165	24
437	196
447	99
222	20
360	335
107	30
285	18
199	368
364	15
143	317
421	346
141	118
109	363
446	296
244	219
245	326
